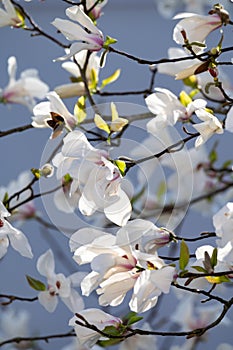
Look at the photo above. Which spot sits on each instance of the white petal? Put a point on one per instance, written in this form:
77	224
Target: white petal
48	301
120	210
45	263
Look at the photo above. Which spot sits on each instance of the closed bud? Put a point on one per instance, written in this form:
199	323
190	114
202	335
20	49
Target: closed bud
47	170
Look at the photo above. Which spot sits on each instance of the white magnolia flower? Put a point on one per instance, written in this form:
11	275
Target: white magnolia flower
96	12
168	109
96	317
58	285
118	265
195	28
223	223
9	16
173	68
9	234
78	88
95	177
26	89
85	34
210	126
53	114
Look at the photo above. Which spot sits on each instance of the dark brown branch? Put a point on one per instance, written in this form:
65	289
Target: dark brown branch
12	298
35	27
15	130
46	338
200	291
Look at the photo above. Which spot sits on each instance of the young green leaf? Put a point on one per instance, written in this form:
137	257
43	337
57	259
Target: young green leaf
184	255
110	79
36	284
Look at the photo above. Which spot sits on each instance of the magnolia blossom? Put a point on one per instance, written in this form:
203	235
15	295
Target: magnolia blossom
210	126
223	223
95	177
121	263
53	114
9	234
26	89
58	285
169	109
195	28
224	261
77	88
96	317
9	16
84	32
96	12
189	316
24	211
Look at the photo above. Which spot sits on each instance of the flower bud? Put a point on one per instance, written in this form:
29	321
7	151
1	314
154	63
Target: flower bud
47	170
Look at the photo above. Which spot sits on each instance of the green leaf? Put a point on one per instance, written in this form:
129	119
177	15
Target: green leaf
199	269
121	166
131	318
109	41
93	79
213	156
76	80
110	79
36	284
101	123
134	319
214	258
227	164
5	198
36	172
67	179
185	99
80	109
184	255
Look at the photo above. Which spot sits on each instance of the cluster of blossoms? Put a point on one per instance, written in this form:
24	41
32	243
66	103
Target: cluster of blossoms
92	180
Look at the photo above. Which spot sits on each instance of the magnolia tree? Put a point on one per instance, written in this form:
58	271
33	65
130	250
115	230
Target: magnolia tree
118	182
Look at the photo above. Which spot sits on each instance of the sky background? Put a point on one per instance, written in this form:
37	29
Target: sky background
140	31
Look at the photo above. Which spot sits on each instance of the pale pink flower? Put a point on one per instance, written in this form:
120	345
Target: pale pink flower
85	34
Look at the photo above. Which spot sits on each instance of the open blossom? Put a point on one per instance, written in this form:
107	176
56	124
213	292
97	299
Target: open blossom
85	34
9	16
77	88
120	263
58	285
53	114
24	90
168	109
96	317
96	178
9	234
195	27
210	126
